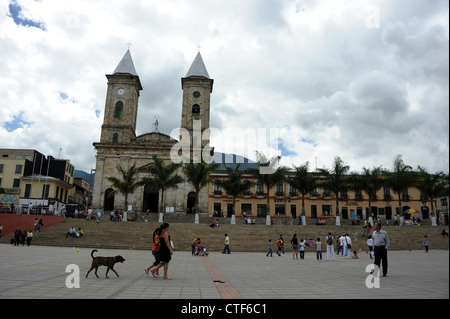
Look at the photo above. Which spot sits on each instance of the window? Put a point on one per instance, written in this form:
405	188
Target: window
246	208
115	138
27	190
45	191
18	169
217	189
118	111
279	190
1	167
16	182
259	189
195	112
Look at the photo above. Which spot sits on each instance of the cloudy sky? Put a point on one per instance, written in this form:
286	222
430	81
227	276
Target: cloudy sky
363	80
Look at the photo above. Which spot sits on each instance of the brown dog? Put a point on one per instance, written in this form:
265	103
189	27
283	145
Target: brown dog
104	261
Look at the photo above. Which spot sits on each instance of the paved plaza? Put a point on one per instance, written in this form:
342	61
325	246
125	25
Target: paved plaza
41	272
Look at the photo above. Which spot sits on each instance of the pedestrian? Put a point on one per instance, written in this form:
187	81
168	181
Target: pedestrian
35	224
1	230
330	249
279	244
302	249
270	249
294	242
226	245
425	243
155	251
99	214
340	244
370	245
381	244
165	251
17	235
318	249
347	245
40	225
29	237
194	245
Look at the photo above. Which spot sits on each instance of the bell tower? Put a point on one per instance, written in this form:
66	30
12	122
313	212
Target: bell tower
121	106
197	87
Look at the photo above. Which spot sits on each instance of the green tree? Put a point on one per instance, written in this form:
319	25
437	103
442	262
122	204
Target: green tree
369	181
336	179
304	181
431	186
235	185
197	174
127	184
400	178
268	176
162	177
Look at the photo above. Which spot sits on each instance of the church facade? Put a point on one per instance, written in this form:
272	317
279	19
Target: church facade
119	144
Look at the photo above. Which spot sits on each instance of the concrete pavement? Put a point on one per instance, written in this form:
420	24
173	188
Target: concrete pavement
40	272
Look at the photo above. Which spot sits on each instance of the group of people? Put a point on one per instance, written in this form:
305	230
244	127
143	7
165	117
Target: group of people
378	244
75	233
22	236
162	251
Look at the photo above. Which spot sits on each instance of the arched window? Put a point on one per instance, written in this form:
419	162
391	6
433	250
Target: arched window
115	138
118	111
195	112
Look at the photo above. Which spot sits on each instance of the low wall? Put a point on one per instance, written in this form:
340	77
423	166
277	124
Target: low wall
10	222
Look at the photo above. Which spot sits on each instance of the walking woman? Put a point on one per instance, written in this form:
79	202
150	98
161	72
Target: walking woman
294	242
155	251
165	251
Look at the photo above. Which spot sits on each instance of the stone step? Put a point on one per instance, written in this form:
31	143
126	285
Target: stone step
138	235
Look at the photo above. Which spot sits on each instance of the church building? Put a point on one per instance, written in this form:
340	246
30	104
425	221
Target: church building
119	144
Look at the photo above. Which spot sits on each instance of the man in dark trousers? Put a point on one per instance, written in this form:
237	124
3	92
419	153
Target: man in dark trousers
381	244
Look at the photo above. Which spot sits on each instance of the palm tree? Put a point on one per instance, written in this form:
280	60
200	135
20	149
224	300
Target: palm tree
234	185
431	186
268	176
400	178
303	181
197	174
370	181
336	180
127	184
162	177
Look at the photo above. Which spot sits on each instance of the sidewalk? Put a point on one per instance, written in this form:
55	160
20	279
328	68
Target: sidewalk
40	272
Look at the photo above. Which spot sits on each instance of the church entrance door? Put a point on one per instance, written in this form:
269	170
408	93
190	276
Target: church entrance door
191	203
109	200
151	199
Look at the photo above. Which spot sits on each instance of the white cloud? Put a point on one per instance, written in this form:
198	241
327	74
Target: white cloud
332	84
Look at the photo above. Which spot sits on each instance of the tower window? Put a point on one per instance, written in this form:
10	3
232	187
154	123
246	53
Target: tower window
115	138
195	112
118	111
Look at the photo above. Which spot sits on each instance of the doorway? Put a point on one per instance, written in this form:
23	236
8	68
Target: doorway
151	199
109	200
190	209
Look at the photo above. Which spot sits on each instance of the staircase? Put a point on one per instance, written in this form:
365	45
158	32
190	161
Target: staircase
251	238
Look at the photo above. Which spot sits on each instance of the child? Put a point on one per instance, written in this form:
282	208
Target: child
425	243
318	249
302	249
355	255
280	245
270	249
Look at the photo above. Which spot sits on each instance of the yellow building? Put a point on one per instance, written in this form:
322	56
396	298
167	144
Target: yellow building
286	202
28	178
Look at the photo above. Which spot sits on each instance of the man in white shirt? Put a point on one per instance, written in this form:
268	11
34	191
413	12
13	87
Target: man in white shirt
226	245
347	241
381	244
